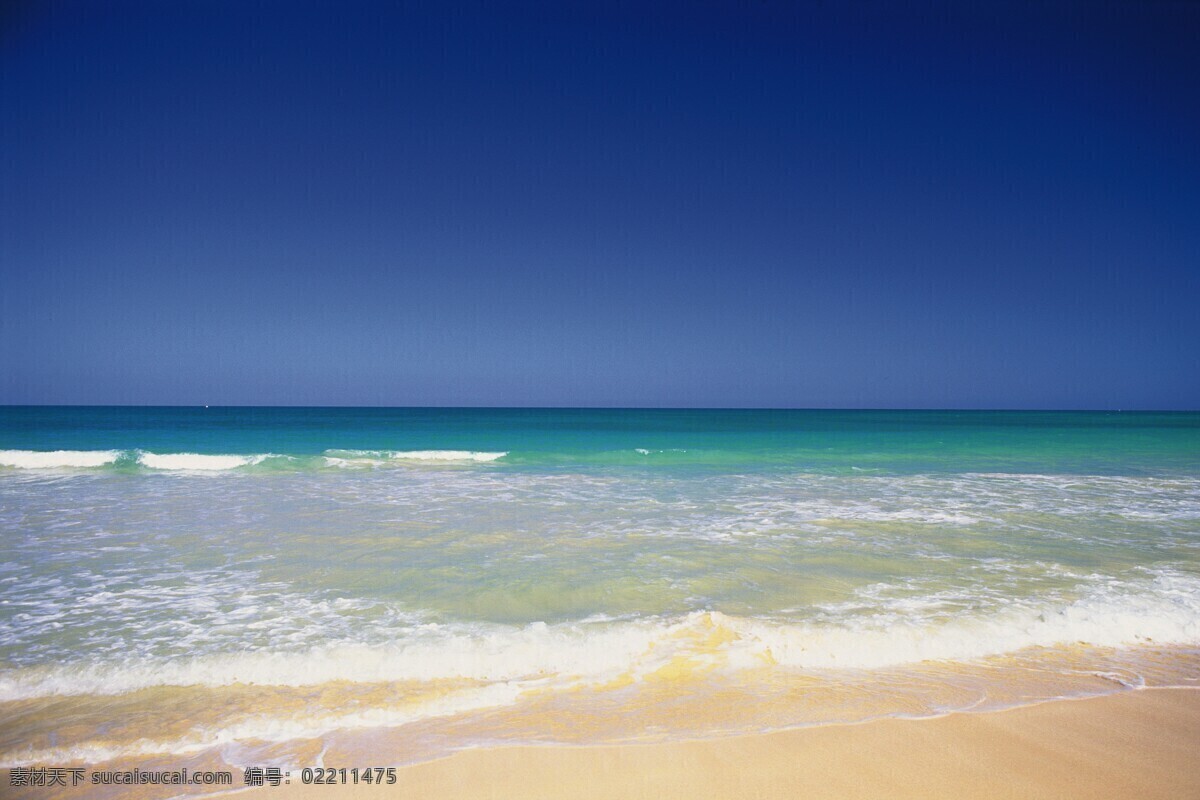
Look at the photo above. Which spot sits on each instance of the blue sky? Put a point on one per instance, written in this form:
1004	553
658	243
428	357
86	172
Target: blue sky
741	204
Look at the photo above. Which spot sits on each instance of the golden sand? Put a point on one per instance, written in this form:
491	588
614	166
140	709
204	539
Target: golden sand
1140	744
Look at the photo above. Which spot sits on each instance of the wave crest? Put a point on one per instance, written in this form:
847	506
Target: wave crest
1164	611
34	459
196	461
350	458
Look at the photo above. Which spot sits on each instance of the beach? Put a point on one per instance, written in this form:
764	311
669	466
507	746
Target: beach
1135	744
697	597
1139	744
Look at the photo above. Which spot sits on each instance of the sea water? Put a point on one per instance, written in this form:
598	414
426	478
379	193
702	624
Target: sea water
283	585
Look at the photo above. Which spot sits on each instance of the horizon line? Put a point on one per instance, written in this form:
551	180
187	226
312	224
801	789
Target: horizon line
979	409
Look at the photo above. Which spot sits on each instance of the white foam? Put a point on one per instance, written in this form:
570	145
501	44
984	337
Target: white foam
274	729
445	455
480	652
34	459
195	461
349	458
1165	610
865	514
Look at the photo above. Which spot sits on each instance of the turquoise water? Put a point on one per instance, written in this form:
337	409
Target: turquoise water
515	554
907	441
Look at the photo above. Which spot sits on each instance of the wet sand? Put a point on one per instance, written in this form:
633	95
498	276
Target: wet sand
1143	744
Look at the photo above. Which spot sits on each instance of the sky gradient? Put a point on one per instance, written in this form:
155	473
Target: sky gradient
741	204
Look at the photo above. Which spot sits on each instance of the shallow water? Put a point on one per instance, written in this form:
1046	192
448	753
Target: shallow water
244	582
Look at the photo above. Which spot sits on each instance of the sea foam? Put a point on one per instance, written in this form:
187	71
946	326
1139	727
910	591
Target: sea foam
1163	611
350	458
33	459
195	461
266	728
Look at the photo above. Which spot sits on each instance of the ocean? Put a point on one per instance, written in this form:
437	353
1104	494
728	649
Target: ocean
341	586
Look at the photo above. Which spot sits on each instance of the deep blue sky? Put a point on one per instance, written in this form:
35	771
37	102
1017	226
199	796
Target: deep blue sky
742	204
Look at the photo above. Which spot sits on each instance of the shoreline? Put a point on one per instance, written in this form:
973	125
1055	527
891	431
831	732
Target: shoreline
1138	743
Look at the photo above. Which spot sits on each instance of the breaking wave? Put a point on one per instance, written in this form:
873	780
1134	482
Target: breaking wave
1164	610
207	462
57	459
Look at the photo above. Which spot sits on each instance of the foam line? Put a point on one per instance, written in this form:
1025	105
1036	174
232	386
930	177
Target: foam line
33	459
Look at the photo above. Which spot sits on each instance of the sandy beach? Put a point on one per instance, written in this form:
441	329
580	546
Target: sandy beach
1138	744
524	603
1141	744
